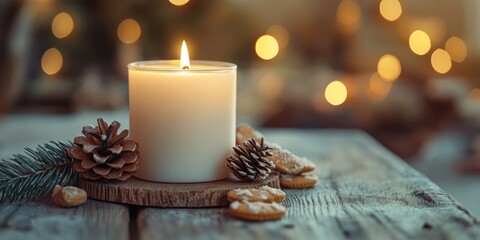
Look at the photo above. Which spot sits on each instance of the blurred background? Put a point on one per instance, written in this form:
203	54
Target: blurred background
405	71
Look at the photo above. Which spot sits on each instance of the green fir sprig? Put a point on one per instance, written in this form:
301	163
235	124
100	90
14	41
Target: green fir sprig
35	173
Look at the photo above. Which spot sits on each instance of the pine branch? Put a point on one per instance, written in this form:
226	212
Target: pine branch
35	173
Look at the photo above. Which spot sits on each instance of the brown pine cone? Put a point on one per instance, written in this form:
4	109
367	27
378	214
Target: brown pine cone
103	154
249	161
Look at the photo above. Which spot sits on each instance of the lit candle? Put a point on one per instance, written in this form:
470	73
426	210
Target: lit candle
183	117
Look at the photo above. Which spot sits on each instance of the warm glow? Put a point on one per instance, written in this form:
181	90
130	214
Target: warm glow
271	86
390	9
389	67
474	94
336	93
129	31
419	42
280	33
62	25
457	49
441	61
184	58
348	17
38	8
266	47
178	2
52	61
378	88
434	27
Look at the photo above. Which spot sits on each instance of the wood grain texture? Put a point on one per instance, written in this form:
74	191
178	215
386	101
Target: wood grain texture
364	192
144	193
44	220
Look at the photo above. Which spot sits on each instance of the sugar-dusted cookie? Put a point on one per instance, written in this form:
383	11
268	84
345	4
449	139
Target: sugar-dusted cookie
257	211
263	194
285	161
288	163
244	132
304	180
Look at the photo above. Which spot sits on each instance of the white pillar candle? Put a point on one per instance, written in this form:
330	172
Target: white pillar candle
183	119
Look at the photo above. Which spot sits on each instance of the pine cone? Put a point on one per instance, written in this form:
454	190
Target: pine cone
103	154
249	161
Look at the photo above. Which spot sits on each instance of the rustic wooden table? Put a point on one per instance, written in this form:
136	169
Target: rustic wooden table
364	192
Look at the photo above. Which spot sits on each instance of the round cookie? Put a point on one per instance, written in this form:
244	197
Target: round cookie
263	194
304	180
257	211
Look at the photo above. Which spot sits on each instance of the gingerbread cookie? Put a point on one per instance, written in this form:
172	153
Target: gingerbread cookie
285	161
257	211
304	180
263	194
244	132
288	163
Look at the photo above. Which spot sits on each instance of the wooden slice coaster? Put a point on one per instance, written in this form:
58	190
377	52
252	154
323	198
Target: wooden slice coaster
143	193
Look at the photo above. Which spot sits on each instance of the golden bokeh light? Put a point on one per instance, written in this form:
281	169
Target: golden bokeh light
378	88
441	61
129	31
52	61
62	25
266	47
271	86
281	34
389	67
434	27
419	42
390	9
348	16
178	2
336	93
457	49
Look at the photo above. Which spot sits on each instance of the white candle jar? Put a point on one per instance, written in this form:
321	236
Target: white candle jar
183	120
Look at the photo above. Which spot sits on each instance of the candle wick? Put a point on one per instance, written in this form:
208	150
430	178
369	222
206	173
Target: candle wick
185	67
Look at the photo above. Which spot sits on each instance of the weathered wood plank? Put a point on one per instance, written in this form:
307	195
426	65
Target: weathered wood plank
364	192
43	220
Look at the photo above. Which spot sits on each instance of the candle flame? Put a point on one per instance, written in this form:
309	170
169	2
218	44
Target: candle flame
184	58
